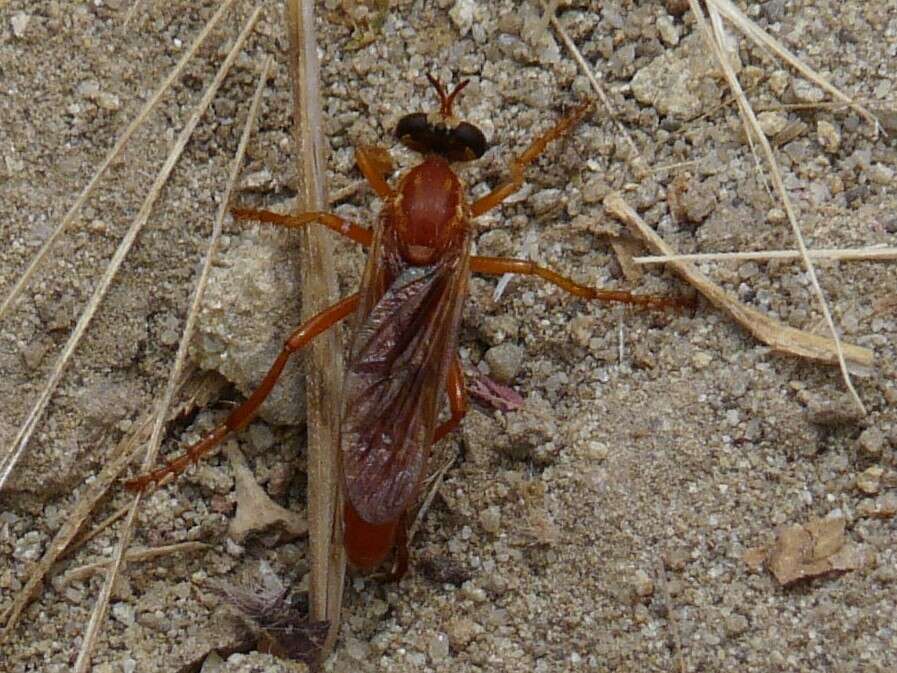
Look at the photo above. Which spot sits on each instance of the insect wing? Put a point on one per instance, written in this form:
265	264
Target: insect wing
397	369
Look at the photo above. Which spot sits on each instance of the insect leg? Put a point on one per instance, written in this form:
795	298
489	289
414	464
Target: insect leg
519	164
240	417
457	401
357	233
501	265
374	163
400	564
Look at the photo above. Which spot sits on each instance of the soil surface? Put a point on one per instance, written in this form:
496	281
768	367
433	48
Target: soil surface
610	524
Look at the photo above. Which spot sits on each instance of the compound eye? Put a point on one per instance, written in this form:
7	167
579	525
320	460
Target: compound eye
469	141
464	142
414	132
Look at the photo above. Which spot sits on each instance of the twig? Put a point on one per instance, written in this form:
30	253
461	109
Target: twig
113	153
714	40
637	162
842	254
98	615
779	337
134	554
319	288
764	39
435	483
10	457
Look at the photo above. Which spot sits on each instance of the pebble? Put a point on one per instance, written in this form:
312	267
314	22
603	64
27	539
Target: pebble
735	625
772	122
869	480
438	646
805	92
668	31
124	613
880	174
490	519
871	442
19	23
461	631
701	360
778	82
462	14
828	136
642	584
473	592
664	84
504	361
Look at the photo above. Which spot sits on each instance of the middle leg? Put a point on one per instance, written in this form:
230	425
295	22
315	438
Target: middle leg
457	400
240	417
502	265
357	233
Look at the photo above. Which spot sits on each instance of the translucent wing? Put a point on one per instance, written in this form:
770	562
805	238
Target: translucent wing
397	369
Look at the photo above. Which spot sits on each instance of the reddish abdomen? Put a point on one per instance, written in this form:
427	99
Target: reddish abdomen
367	544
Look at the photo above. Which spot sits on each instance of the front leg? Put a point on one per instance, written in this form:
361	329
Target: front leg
519	164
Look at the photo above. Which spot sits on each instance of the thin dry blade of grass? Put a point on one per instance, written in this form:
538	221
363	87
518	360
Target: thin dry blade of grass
123	139
763	39
637	162
13	453
98	615
134	555
870	254
714	36
319	288
67	539
779	337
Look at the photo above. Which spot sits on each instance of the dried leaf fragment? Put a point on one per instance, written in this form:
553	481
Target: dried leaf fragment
813	550
256	512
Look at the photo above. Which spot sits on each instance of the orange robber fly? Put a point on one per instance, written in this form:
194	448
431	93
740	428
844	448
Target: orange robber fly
407	313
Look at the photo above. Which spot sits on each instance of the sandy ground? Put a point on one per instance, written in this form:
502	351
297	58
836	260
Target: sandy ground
604	526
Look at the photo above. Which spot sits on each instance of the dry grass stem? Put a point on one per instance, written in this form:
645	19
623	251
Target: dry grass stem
98	615
777	336
211	249
135	554
714	37
132	11
636	159
64	539
73	211
435	483
869	254
325	365
763	39
12	454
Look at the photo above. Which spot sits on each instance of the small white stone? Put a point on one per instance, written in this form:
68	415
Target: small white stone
19	23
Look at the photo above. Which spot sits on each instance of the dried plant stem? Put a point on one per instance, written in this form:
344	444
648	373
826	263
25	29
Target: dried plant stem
779	337
714	39
840	254
98	615
763	39
637	162
134	554
319	288
113	153
64	539
12	454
